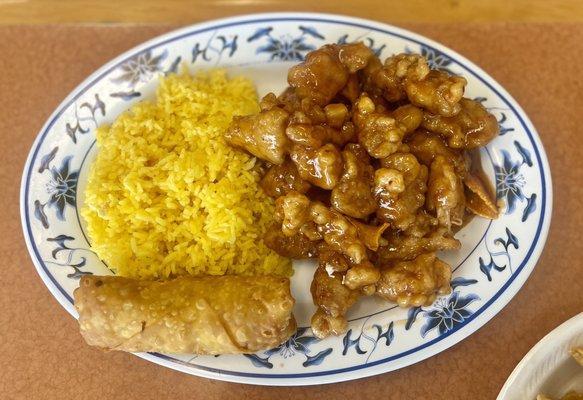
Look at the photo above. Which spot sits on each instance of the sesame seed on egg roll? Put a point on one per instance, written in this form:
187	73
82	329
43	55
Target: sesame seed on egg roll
200	315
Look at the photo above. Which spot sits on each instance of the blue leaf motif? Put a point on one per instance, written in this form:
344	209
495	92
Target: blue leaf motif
412	316
126	96
77	273
60	240
526	159
174	66
70	129
317	359
459	281
232	46
215	48
311	32
487	268
158	59
446	325
39	213
273	351
503	130
373	339
464	313
258	361
305	342
99	105
270	47
46	160
389	335
433	320
228	45
348	343
300	46
81	263
259	33
511	240
342	39
82	123
196	51
461	302
530	207
509	165
499	268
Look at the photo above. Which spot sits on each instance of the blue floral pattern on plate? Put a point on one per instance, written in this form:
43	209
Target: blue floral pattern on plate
213	49
510	241
140	68
285	47
298	343
371	337
496	252
510	181
86	117
62	246
61	188
447	313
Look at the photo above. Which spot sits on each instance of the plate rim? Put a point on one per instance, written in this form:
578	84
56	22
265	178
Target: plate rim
433	347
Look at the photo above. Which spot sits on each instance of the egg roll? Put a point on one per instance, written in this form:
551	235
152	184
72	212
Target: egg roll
195	315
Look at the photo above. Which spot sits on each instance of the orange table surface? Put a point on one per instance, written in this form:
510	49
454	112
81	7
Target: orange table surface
42	355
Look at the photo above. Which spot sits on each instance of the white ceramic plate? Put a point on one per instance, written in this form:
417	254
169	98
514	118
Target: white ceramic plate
496	258
548	368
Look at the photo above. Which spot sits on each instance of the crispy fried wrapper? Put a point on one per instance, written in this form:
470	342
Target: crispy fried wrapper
199	315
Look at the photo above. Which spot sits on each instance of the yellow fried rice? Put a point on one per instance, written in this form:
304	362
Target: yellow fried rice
167	196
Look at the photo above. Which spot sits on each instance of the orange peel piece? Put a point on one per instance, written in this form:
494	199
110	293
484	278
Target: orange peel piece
478	198
369	235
